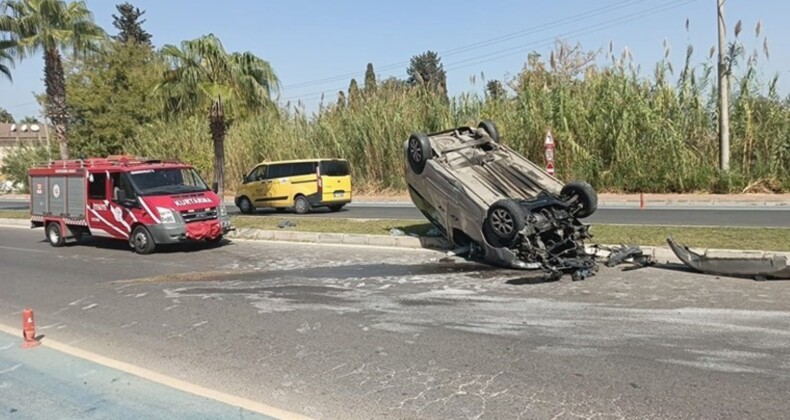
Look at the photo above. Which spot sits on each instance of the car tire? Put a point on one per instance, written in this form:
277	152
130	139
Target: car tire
142	241
55	234
301	205
504	221
418	152
585	195
245	205
336	208
491	129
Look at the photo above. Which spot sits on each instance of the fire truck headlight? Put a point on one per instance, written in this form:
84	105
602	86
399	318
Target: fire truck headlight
166	215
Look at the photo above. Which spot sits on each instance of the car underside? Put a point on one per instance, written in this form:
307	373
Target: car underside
498	206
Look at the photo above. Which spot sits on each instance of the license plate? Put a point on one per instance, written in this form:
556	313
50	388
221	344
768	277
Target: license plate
339	194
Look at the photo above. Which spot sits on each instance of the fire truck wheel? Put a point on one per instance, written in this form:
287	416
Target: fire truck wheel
142	241
54	234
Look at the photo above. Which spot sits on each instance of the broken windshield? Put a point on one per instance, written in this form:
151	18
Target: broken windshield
167	181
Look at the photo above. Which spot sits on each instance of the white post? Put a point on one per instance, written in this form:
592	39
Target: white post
724	94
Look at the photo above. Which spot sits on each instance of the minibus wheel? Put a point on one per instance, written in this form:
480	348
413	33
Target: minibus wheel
301	205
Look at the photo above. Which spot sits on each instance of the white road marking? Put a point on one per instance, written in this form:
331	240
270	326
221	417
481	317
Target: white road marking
11	248
11	369
165	380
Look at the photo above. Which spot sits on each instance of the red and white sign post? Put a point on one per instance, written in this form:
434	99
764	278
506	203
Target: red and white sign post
548	146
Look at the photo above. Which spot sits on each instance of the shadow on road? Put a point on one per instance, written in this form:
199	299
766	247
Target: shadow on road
122	245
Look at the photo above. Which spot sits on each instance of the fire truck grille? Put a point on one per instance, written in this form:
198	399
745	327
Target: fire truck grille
199	215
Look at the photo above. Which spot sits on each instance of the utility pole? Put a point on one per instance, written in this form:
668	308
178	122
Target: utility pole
724	94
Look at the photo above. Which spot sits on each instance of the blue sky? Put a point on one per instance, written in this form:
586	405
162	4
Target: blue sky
309	41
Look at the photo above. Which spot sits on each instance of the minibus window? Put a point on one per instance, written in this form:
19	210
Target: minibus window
334	168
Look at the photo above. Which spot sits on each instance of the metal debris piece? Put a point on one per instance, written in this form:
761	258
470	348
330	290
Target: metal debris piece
286	224
626	254
759	268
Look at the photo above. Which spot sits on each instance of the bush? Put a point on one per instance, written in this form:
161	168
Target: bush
19	160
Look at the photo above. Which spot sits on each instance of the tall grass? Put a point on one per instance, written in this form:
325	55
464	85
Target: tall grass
617	128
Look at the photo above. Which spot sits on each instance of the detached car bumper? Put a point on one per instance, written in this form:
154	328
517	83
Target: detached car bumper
195	231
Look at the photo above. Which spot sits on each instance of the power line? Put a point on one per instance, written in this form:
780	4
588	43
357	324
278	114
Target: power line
21	105
521	48
480	44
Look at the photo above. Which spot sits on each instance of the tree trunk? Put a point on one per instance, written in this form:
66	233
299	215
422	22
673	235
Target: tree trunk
217	125
56	110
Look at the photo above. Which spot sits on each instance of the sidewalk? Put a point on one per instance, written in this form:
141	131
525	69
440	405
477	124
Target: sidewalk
44	382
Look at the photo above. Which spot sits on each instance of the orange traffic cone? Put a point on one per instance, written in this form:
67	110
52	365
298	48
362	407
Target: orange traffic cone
29	329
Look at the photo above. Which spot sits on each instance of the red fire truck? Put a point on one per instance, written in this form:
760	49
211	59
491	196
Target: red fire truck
146	202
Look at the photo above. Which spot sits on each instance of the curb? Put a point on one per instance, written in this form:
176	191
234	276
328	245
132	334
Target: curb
340	238
15	222
661	254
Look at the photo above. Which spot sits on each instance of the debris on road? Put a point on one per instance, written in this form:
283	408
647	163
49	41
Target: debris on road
434	233
759	267
284	224
397	232
627	254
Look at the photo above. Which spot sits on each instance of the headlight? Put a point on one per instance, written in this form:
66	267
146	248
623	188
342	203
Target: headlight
222	210
166	215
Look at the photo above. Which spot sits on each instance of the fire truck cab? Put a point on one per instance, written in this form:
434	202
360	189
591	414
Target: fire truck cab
146	202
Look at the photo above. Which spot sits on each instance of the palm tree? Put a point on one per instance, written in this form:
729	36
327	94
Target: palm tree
203	77
30	26
4	69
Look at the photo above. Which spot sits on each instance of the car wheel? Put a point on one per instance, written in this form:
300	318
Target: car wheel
55	235
418	152
504	221
491	129
301	205
142	241
584	194
245	205
336	208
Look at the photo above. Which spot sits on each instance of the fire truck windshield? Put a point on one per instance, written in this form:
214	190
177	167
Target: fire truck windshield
167	181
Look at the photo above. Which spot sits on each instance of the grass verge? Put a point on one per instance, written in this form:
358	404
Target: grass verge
772	239
769	239
14	214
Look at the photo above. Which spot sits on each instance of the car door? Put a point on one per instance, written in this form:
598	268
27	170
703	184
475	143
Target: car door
105	218
259	186
279	185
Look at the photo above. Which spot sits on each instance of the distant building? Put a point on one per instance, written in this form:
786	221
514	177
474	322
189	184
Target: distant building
18	135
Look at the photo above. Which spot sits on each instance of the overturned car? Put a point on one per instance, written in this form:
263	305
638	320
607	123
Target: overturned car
497	206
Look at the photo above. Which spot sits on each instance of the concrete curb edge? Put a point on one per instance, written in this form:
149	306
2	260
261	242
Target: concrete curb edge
661	254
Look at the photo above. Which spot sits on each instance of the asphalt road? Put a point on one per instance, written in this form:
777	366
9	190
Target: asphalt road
367	333
690	216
